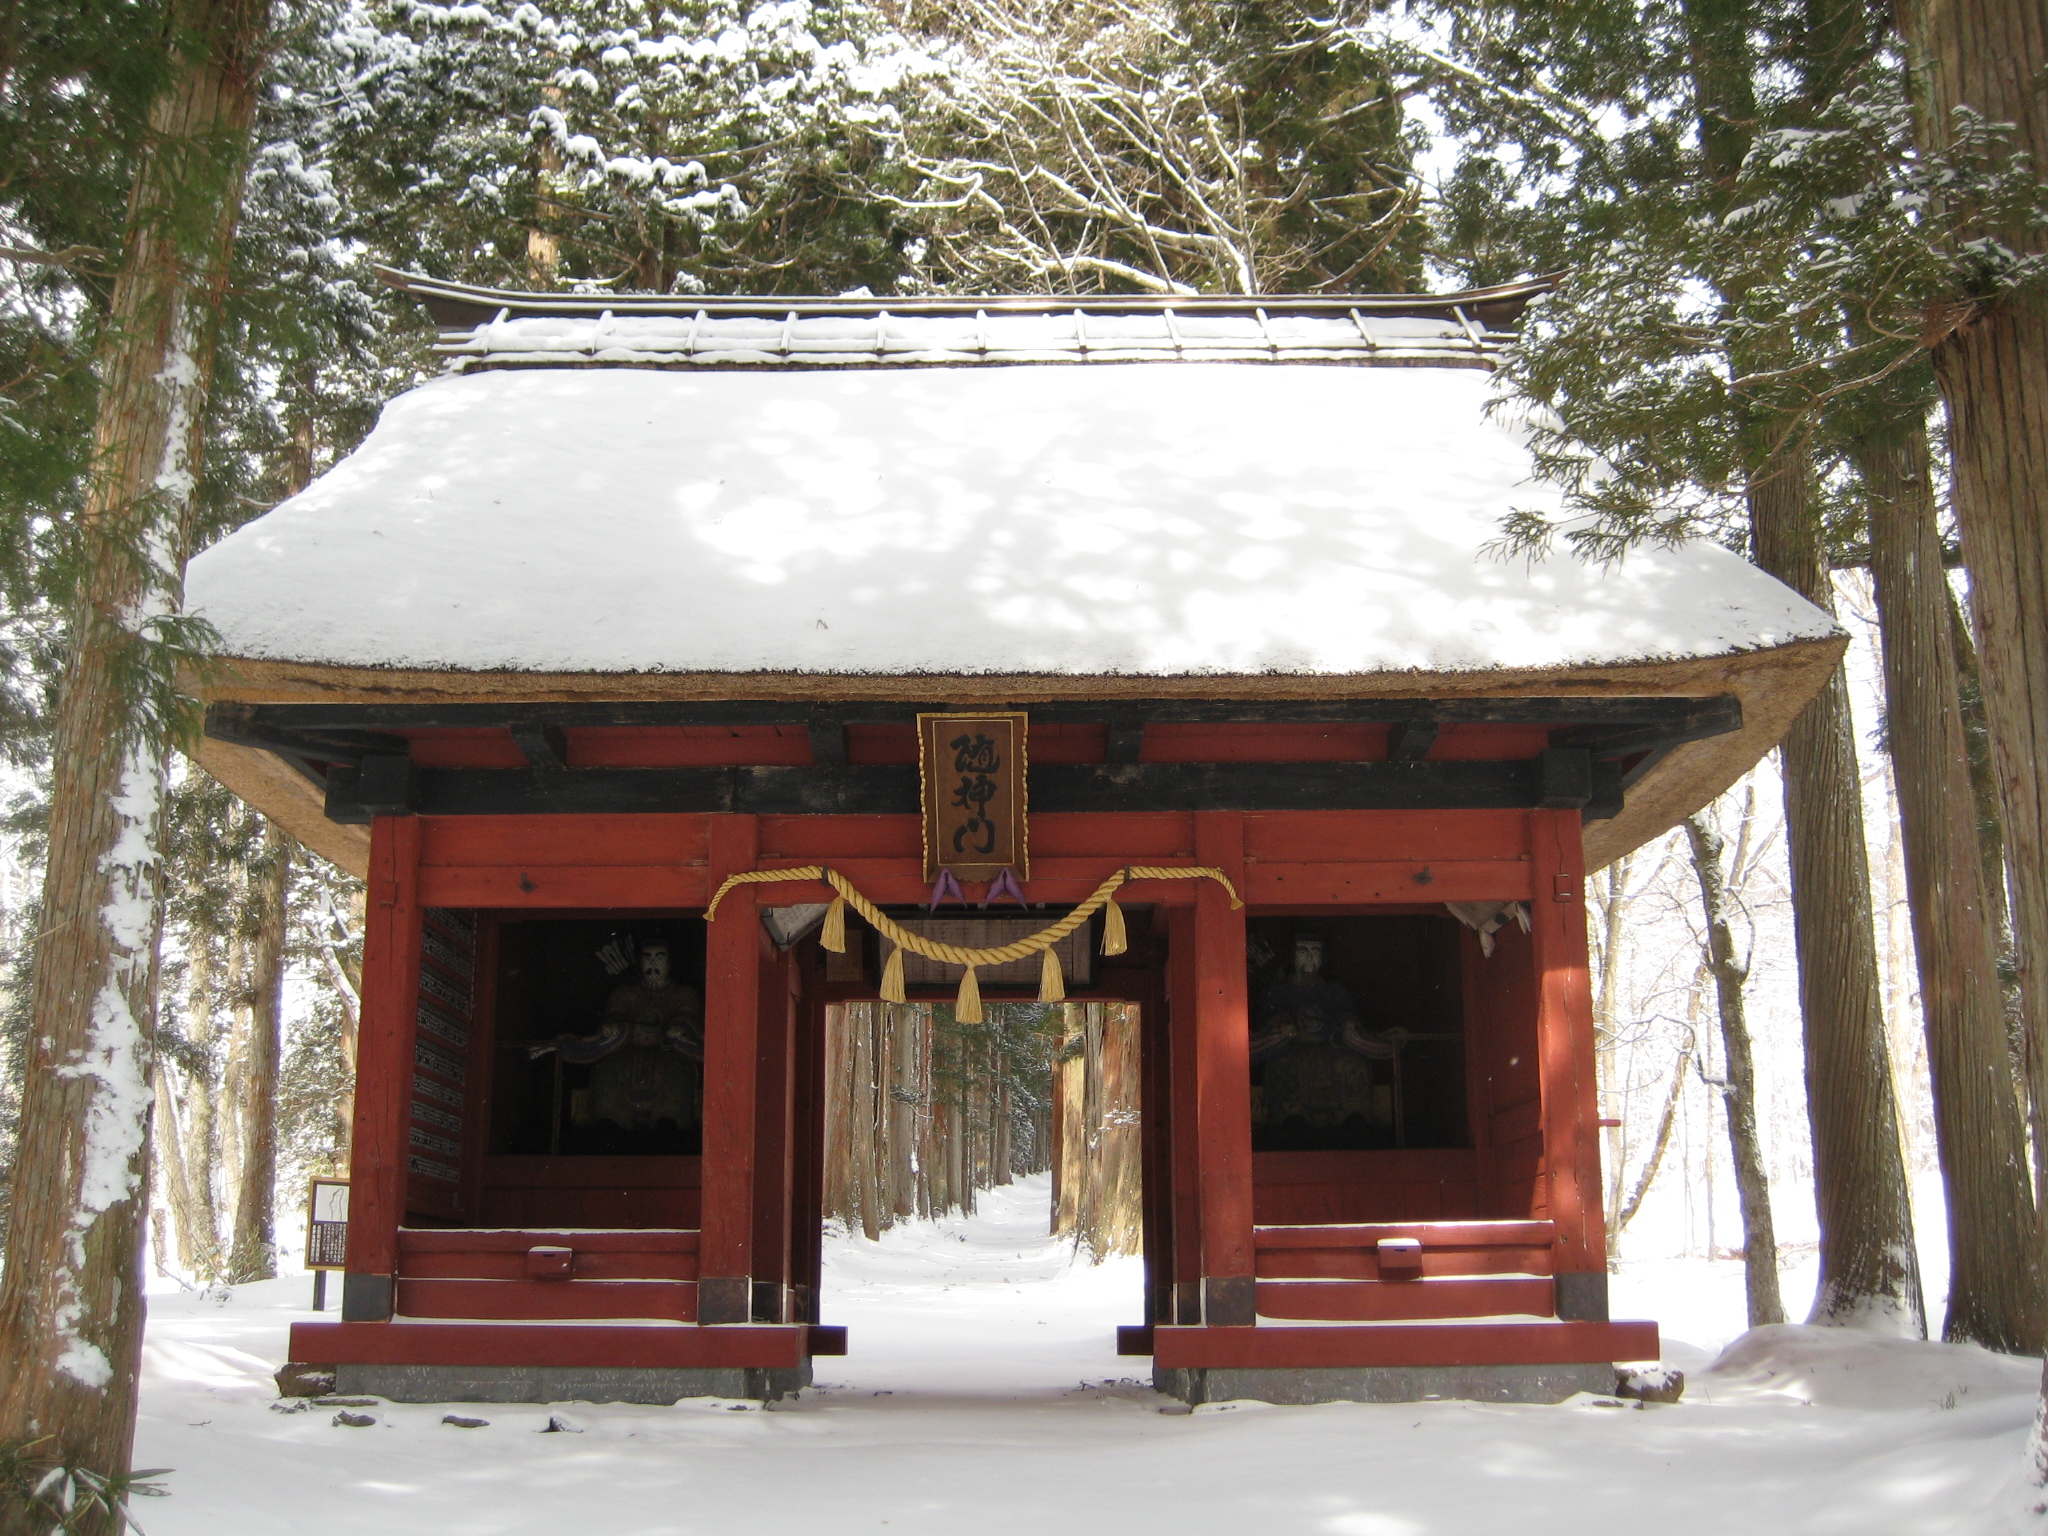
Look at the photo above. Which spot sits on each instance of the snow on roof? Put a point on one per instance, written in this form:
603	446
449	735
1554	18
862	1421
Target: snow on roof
1139	519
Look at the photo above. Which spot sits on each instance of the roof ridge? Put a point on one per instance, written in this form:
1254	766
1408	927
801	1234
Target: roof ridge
463	306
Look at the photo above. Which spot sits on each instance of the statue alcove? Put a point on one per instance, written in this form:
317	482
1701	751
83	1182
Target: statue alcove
1358	1033
565	1085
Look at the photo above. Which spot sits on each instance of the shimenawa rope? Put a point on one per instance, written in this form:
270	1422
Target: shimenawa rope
967	1009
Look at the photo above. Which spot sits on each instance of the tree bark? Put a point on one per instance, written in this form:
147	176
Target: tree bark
1738	1093
71	1300
1991	55
199	1224
1994	1294
227	1124
1868	1264
252	1253
1869	1269
177	1183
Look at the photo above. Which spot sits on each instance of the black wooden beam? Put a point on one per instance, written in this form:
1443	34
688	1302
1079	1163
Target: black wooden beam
1412	740
828	738
1126	734
1658	716
1055	787
544	746
250	725
1705	718
1564	778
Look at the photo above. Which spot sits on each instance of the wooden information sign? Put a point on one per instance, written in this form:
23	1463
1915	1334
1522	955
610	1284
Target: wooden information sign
971	773
327	1225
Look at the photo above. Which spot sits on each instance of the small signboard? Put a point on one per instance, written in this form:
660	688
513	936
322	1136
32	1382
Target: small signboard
971	772
327	1225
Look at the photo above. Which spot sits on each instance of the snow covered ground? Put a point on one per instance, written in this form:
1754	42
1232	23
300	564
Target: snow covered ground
982	1395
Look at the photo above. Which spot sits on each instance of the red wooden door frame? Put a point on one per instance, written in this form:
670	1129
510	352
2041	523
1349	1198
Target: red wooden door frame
1564	1044
1223	1154
732	1017
384	1050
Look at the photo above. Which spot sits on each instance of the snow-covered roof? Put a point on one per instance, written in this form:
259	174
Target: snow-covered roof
1146	519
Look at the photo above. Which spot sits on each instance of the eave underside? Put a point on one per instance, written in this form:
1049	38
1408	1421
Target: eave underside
1768	686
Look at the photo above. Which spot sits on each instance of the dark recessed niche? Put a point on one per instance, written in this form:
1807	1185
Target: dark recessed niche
1368	1051
557	977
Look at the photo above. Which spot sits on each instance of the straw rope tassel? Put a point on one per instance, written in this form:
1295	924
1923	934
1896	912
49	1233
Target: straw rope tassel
1113	940
967	1006
1052	981
833	934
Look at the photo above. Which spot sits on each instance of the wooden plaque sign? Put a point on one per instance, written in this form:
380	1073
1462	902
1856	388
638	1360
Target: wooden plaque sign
327	1225
971	771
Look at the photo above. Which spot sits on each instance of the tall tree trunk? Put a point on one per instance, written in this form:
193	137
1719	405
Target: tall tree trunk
71	1298
177	1184
1738	1092
1994	1296
252	1255
1868	1266
199	1229
227	1125
1991	56
1983	769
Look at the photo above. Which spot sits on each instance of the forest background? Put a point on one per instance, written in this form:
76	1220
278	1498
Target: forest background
1813	993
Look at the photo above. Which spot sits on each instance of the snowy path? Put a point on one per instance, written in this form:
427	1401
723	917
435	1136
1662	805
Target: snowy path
983	1396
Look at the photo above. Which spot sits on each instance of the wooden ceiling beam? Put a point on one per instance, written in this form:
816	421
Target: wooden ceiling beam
1558	779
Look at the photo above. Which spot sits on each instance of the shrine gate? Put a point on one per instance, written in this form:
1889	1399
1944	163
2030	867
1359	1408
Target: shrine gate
651	593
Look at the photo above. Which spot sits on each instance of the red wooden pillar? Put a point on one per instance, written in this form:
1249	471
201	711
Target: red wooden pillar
384	1045
732	1011
774	1165
1223	1079
1155	1107
1185	1122
1564	1049
807	1145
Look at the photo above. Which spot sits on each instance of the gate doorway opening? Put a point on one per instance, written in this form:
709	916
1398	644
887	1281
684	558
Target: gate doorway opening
983	1192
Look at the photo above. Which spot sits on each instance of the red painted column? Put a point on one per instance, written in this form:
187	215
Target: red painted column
1185	1123
732	1011
773	1132
807	1147
1564	1046
1223	1079
383	1102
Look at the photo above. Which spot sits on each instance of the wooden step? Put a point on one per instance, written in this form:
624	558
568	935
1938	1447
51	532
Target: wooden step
500	1254
1449	1248
1282	1346
590	1345
1394	1300
524	1300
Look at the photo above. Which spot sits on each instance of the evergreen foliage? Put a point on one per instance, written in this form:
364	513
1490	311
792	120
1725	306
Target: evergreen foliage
1777	274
